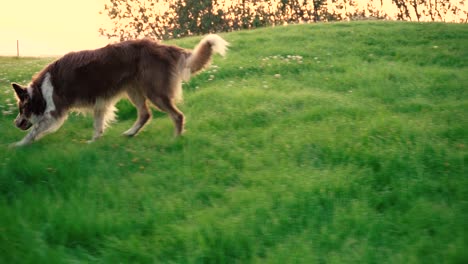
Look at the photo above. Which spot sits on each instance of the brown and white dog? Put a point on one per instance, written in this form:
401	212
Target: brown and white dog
144	70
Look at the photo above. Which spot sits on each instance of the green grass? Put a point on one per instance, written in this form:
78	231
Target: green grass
352	150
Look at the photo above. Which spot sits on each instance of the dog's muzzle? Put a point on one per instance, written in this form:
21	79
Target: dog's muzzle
22	123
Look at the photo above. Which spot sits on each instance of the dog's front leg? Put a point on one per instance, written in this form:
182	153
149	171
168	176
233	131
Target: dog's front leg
104	113
44	126
98	128
27	139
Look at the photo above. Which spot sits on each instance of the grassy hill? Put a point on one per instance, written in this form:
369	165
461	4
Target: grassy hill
326	143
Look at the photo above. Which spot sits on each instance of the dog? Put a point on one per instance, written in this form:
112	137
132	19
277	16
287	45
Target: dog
144	70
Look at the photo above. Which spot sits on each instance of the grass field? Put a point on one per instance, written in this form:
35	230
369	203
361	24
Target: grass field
326	143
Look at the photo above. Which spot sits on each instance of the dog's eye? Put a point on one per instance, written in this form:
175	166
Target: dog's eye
24	107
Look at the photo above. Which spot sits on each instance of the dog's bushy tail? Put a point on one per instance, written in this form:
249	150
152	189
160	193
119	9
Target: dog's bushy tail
200	57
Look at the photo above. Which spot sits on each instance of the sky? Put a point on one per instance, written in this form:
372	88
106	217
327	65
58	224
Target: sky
55	27
50	27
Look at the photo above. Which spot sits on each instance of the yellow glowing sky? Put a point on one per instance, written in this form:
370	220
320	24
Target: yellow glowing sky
55	27
50	27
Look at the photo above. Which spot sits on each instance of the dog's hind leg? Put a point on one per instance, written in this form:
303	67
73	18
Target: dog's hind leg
167	105
139	100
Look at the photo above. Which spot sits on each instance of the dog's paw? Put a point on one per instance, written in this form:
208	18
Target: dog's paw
130	133
95	138
90	141
17	144
127	134
181	133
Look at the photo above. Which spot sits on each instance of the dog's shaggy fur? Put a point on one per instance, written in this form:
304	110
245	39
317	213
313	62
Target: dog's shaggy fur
144	70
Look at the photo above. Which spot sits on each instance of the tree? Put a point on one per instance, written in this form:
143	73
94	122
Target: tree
433	10
176	18
139	18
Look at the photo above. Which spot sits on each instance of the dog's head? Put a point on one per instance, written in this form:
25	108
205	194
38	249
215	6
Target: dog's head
23	120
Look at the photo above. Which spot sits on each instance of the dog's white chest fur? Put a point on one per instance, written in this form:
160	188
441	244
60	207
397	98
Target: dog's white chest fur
47	92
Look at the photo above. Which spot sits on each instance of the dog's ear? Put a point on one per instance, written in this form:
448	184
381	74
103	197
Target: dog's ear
21	92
